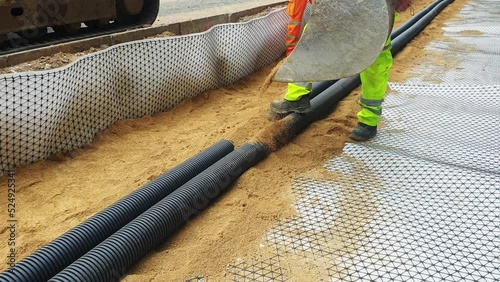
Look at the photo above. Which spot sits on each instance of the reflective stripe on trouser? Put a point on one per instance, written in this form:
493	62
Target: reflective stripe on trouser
374	86
297	90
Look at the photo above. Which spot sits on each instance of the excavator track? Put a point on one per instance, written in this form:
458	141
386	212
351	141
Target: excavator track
13	42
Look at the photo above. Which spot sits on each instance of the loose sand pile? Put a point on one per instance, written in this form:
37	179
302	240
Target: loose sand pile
55	195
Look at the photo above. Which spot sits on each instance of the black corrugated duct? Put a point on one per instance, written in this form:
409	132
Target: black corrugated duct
110	260
58	254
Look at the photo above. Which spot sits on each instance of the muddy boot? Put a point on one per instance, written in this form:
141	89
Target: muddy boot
363	132
302	106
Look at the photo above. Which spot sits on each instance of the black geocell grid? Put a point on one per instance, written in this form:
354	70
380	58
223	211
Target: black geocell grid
421	202
46	112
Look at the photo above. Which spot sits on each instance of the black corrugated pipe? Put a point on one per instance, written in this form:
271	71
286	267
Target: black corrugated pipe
321	86
110	260
322	105
58	254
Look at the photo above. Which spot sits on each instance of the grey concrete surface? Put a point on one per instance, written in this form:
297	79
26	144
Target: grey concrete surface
182	10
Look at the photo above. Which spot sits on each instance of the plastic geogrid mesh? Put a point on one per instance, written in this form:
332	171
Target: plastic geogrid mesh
470	55
454	124
432	221
42	113
387	217
260	269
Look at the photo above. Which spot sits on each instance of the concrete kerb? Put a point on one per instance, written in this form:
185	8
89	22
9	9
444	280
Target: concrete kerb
4	62
181	28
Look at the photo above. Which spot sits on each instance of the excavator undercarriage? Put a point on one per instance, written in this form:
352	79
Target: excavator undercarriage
32	18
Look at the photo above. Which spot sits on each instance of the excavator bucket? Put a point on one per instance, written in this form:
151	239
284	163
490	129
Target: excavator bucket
341	38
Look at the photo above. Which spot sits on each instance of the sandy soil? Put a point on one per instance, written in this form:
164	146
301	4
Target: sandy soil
55	195
50	62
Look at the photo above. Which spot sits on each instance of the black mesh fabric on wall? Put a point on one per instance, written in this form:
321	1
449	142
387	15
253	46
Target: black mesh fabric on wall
46	112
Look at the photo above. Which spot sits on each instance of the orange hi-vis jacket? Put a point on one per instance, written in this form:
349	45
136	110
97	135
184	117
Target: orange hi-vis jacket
295	10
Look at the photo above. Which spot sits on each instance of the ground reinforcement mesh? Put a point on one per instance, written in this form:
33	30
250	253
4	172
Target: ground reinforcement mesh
385	217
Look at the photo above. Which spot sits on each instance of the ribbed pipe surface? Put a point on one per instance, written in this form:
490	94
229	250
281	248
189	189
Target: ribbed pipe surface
110	260
58	254
321	86
322	105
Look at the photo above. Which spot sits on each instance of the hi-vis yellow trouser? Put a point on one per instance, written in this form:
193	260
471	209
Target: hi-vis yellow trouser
374	86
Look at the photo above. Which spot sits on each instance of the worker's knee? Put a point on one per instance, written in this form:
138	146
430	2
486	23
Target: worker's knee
382	64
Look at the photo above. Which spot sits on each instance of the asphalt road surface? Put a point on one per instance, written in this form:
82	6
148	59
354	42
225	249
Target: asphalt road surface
180	10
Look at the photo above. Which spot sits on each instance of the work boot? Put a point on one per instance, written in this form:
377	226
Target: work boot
301	106
363	132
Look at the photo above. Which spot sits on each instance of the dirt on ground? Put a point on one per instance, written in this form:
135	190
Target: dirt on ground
61	59
261	14
161	35
50	62
57	194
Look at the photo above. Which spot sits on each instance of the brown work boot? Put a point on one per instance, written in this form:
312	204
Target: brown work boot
301	106
363	132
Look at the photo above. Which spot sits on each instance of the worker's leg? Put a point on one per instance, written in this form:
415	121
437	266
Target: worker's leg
297	90
297	95
296	99
373	90
295	10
